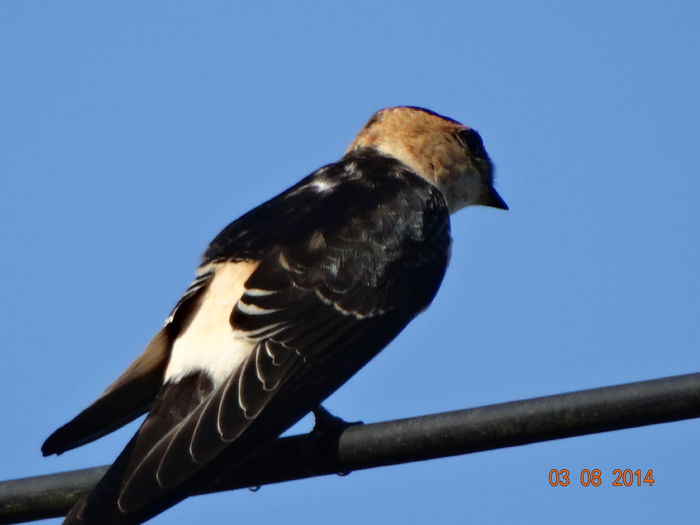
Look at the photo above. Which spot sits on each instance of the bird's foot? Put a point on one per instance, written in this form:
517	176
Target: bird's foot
326	439
327	423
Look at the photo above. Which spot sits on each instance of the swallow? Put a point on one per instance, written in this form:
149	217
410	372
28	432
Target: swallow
289	301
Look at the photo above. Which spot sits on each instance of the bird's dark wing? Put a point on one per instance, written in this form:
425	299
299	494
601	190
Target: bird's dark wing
327	294
134	391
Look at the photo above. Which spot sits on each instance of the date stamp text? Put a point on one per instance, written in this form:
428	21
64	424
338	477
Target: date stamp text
595	477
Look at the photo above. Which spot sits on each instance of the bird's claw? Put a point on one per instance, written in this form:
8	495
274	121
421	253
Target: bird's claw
327	423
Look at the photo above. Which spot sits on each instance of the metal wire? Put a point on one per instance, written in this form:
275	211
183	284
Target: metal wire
346	448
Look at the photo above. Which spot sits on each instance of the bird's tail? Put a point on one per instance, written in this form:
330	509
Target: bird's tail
100	506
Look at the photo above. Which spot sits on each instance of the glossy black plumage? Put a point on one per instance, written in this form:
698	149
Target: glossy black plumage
363	181
347	257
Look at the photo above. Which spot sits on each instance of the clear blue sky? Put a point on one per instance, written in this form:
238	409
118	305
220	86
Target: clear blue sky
132	132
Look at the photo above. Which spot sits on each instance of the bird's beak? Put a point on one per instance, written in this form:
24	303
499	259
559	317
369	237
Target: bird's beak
493	199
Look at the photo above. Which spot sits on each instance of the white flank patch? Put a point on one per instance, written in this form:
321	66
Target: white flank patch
209	343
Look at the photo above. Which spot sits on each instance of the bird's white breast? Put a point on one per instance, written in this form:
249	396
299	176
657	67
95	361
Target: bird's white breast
209	343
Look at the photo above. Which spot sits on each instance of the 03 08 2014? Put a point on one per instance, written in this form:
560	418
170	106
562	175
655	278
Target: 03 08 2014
618	477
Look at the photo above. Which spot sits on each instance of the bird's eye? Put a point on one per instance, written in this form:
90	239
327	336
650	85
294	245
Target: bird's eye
473	141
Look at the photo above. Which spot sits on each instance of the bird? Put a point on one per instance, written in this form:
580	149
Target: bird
290	300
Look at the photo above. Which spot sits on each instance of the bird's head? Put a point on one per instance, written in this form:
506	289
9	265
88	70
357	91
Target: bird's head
449	155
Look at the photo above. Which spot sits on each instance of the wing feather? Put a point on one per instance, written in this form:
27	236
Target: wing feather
135	390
